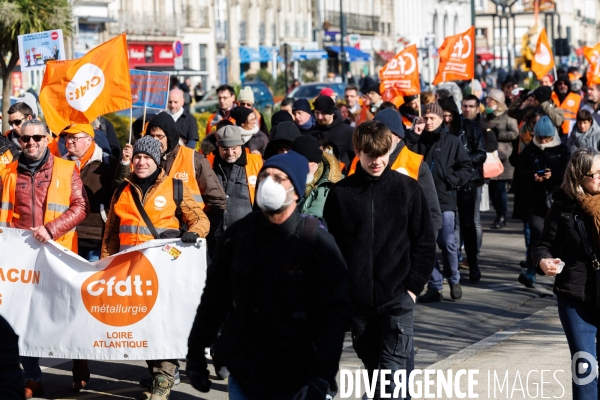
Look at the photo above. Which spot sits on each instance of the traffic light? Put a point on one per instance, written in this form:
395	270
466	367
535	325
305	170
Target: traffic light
561	47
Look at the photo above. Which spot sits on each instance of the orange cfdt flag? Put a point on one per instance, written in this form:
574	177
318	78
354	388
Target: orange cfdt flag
592	54
543	59
400	75
78	91
457	56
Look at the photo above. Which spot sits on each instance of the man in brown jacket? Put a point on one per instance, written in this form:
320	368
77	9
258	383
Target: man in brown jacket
31	197
149	183
163	128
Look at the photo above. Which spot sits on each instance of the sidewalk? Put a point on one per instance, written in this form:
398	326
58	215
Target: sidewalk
510	362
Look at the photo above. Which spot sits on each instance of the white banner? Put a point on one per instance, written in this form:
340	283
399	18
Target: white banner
135	305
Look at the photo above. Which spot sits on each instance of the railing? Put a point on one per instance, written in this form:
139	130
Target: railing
136	23
358	22
197	17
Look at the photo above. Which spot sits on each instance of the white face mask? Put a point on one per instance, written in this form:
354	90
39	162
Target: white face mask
271	195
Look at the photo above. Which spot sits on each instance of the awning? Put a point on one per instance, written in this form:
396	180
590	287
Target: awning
173	71
249	54
353	54
266	53
485	55
309	55
96	20
386	55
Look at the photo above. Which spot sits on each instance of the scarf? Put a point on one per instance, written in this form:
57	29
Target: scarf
308	124
84	159
555	142
591	206
177	114
247	134
32	165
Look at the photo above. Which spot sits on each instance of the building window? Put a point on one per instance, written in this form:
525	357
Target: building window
261	33
243	32
274	32
203	57
186	55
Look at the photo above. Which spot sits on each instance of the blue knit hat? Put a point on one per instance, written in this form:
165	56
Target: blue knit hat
544	127
294	165
391	119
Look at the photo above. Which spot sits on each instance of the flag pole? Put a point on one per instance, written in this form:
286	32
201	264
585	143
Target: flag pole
145	98
419	97
130	123
555	76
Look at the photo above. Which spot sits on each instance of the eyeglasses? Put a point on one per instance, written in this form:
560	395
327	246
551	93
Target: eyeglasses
27	138
15	122
247	105
74	139
157	137
594	175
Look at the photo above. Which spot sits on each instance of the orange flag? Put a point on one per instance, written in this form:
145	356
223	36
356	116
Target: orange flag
457	55
592	54
78	91
400	76
543	59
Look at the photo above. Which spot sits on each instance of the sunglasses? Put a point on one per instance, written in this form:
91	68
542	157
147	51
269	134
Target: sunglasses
15	122
36	138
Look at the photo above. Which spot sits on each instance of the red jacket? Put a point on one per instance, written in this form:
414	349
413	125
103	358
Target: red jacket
31	200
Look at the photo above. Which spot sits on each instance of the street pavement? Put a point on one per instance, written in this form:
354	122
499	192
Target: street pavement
499	327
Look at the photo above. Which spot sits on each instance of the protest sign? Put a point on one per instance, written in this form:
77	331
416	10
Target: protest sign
36	49
136	305
78	91
149	89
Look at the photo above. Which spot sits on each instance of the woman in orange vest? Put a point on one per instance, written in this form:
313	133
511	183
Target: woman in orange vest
126	227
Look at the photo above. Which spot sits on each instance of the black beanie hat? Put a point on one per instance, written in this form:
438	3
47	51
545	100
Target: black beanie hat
542	94
374	88
165	121
280	116
325	104
408	99
240	114
308	147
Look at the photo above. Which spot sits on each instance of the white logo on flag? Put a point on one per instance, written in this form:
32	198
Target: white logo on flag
543	57
85	87
460	46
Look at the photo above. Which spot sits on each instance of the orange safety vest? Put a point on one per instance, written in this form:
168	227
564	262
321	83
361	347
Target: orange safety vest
570	105
58	199
209	128
53	147
407	163
160	207
183	168
254	163
6	158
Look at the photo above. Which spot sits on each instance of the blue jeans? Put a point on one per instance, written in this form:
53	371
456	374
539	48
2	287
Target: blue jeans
31	369
235	392
499	196
446	241
580	322
90	253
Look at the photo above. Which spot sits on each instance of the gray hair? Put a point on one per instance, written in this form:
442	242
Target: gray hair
35	122
579	166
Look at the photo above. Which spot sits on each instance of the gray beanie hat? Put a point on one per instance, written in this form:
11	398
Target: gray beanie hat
148	145
229	136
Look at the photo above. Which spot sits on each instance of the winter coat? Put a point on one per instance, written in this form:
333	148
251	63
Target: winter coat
506	130
448	161
578	139
561	238
99	177
533	158
313	202
187	127
257	142
340	134
30	196
235	185
384	229
192	214
282	291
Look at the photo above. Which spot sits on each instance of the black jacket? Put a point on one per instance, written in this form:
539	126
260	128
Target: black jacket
187	127
428	186
340	134
448	161
285	303
533	159
383	228
561	238
11	378
470	136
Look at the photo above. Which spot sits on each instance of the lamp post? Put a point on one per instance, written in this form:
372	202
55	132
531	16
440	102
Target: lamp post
504	4
342	54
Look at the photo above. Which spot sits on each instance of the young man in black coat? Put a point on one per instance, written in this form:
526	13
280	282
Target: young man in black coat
381	222
280	283
451	168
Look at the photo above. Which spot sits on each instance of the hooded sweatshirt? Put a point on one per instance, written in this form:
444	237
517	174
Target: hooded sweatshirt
578	139
164	121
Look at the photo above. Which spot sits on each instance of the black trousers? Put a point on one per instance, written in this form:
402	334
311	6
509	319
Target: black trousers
383	339
467	201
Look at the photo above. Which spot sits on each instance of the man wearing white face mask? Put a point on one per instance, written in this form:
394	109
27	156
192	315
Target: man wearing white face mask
282	283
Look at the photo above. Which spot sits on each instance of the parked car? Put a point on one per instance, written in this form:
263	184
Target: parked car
263	98
309	91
